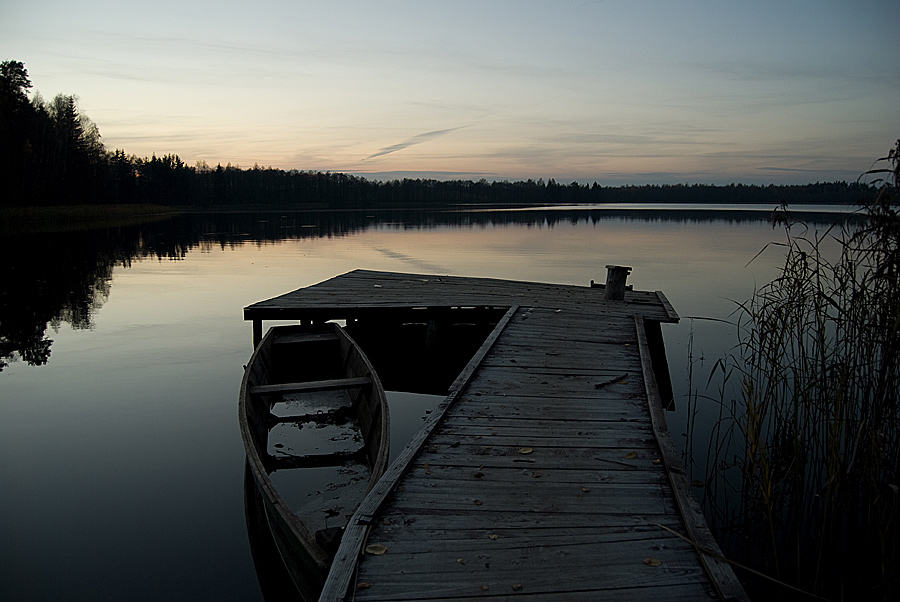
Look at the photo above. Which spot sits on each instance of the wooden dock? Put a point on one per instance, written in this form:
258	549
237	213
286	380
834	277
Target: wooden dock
547	473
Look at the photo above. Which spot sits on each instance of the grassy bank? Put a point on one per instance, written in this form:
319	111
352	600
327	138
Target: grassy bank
69	218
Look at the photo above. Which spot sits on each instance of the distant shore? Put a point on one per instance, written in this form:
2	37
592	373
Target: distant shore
68	218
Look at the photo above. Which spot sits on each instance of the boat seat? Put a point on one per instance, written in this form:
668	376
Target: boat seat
313	385
305	337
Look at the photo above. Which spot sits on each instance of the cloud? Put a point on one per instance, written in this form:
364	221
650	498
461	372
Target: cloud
417	139
387	176
793	169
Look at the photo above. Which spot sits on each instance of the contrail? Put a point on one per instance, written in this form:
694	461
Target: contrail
418	139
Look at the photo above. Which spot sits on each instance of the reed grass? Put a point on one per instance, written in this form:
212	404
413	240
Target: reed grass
806	456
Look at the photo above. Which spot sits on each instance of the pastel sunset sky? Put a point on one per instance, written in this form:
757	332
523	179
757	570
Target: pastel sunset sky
642	91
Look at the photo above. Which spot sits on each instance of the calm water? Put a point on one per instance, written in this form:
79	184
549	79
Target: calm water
122	474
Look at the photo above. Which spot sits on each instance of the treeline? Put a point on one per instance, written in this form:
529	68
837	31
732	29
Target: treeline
51	154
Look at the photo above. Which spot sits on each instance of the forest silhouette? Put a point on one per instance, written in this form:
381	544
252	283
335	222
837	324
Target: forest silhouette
51	154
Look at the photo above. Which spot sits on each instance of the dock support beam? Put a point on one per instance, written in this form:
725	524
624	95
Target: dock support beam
616	275
257	332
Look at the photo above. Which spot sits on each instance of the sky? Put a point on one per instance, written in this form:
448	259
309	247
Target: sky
631	92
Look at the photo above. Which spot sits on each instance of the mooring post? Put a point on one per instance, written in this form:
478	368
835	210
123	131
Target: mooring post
616	275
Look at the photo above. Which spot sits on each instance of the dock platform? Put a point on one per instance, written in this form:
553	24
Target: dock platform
547	472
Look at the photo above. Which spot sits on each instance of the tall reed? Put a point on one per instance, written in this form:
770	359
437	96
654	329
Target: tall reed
811	402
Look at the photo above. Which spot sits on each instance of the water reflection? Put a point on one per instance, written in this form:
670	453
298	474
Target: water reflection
65	277
274	581
123	460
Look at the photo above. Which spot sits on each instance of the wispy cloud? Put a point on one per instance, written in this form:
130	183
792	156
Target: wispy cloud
417	139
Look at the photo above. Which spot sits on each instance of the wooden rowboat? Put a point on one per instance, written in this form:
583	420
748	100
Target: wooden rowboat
316	429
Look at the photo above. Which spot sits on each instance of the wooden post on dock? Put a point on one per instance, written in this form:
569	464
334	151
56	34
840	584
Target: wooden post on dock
616	275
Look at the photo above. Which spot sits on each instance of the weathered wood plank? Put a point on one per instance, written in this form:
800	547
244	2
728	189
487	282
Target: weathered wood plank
544	396
526	476
500	545
312	386
560	395
470	531
576	459
565	350
591	367
305	337
438	573
513	381
539	410
491	520
541	426
617	500
669	593
692	592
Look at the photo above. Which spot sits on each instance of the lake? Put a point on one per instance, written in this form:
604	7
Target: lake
123	464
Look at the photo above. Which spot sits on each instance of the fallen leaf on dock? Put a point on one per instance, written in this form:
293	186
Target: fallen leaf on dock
478	474
631	455
493	537
376	549
652	561
460	560
363	585
525	450
611	381
484	588
586	489
478	502
657	461
517	587
536	475
697	483
427	469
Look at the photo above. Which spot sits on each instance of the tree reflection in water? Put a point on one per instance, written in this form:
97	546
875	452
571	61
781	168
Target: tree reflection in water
64	277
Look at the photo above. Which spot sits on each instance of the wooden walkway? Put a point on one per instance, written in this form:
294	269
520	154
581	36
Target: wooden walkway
546	474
